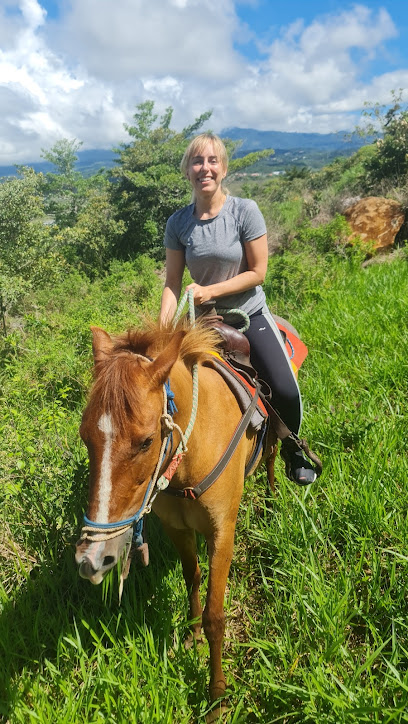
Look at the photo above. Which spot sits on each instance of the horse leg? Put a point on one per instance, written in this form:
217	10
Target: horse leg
220	549
186	544
270	466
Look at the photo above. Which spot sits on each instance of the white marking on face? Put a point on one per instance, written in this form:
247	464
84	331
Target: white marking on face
105	480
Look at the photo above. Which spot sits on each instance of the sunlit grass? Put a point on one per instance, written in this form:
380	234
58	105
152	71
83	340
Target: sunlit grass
317	613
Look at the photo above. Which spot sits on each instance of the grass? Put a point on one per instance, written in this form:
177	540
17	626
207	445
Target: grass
317	610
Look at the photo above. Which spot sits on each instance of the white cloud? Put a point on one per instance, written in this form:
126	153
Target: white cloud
310	80
190	38
81	75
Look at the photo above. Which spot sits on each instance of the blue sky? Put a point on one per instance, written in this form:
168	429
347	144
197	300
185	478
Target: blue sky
78	68
267	18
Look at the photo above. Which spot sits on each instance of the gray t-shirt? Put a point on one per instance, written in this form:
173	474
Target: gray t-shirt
214	248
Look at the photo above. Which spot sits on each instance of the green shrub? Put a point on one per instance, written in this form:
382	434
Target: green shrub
327	238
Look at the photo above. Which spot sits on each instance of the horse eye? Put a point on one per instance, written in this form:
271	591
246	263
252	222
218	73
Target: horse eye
146	444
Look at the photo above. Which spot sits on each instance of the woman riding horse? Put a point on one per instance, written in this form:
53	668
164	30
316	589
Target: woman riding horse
222	240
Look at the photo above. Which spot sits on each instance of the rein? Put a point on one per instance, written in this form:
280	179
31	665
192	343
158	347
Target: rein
106	531
98	532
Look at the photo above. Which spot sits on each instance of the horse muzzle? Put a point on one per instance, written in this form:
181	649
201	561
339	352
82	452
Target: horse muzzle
96	558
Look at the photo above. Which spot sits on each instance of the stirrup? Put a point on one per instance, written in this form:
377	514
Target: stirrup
294	454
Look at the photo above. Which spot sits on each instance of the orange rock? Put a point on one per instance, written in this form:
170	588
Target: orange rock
375	219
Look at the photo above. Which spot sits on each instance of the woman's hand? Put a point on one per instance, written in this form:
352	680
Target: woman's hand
201	294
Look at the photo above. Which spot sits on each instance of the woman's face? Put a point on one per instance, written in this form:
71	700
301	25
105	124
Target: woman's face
205	171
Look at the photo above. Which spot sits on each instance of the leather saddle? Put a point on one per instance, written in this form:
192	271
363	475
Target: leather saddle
236	349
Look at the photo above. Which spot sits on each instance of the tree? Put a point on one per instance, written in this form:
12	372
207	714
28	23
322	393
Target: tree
66	190
88	244
149	186
63	155
83	225
389	126
28	255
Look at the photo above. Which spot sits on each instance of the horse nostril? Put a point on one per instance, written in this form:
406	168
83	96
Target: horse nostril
108	560
86	569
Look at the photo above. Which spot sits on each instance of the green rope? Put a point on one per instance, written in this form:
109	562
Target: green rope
182	447
162	482
191	313
189	296
237	313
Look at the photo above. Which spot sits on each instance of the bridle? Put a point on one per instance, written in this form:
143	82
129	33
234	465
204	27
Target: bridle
97	532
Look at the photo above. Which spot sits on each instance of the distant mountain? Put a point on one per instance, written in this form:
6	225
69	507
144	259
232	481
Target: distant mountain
253	140
89	162
340	143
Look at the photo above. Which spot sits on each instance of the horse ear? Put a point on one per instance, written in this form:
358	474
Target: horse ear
161	366
101	344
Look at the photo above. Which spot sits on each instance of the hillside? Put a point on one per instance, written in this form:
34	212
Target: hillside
89	163
318	585
291	149
253	140
317	600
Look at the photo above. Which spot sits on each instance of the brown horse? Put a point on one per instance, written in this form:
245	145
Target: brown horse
122	427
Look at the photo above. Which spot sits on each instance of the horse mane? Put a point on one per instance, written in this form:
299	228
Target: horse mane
152	338
114	390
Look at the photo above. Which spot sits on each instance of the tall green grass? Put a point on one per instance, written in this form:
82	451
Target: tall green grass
317	610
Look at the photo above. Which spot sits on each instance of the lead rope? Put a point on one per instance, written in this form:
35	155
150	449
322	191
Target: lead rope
157	484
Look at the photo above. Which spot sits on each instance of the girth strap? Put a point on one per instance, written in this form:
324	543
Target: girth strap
200	488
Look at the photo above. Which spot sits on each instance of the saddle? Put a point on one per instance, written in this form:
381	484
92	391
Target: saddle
235	349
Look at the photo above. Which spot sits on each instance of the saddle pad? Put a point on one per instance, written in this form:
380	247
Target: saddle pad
242	390
296	349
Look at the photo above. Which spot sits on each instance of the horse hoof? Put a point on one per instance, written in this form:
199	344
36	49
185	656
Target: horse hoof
217	714
193	639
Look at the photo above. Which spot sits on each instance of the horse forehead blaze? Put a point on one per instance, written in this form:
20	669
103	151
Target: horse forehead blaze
123	398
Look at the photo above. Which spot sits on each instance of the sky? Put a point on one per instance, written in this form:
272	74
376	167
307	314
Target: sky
77	69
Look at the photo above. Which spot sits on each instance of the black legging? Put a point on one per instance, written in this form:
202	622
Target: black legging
270	360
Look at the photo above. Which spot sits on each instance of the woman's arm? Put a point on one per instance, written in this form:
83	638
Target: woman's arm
257	261
175	264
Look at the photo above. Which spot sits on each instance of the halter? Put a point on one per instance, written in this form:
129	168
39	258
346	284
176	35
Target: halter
98	532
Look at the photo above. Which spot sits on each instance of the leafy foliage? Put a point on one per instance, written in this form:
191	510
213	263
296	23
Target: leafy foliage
326	238
88	244
390	125
29	255
83	217
148	185
64	190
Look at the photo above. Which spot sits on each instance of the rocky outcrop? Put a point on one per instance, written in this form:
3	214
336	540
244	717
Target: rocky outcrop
375	219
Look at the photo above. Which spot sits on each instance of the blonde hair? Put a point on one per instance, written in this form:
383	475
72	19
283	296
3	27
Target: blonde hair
197	144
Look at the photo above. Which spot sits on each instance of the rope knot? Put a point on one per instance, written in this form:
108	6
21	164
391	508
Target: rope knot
167	421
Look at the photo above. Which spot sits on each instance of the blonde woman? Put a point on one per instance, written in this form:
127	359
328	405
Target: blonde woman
222	241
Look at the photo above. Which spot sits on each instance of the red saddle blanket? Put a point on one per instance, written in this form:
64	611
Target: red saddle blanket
296	349
241	388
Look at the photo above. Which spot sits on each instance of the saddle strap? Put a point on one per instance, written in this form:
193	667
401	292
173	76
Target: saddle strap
200	488
283	433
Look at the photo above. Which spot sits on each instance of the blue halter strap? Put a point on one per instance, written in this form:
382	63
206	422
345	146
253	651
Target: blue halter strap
137	519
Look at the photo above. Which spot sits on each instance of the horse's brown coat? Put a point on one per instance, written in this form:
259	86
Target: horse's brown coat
128	387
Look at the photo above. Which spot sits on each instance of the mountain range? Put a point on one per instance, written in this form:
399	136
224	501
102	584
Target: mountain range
253	140
326	145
